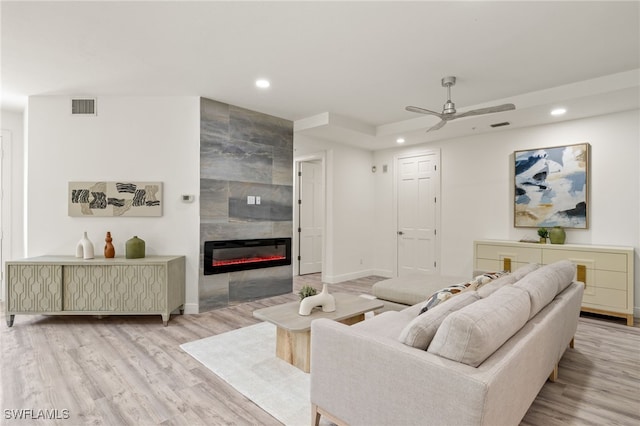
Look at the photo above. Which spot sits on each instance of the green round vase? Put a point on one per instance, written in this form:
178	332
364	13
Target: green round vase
134	248
557	235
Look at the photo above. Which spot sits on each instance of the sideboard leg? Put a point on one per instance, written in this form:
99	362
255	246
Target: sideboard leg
10	319
165	320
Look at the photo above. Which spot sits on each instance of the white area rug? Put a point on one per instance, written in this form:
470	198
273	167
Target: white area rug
246	359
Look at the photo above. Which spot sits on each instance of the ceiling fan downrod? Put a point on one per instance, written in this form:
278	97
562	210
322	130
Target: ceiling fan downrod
449	107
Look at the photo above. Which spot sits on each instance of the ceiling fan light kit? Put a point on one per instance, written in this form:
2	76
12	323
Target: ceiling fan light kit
449	108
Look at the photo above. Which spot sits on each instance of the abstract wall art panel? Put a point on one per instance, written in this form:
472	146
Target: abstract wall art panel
123	198
552	187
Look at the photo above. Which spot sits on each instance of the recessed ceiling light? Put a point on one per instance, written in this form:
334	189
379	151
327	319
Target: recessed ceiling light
262	83
400	140
558	111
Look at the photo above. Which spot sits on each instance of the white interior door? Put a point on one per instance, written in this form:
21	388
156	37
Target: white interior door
418	190
311	217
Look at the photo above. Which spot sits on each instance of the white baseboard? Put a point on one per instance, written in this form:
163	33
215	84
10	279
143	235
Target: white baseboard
191	308
333	279
383	273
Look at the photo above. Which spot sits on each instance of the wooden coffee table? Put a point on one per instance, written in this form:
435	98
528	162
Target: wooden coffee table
293	335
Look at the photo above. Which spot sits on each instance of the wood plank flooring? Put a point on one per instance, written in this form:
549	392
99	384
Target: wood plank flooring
129	370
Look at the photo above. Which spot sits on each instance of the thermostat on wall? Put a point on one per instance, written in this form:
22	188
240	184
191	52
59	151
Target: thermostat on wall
187	198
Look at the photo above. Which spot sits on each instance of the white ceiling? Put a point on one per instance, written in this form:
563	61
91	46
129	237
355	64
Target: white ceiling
341	70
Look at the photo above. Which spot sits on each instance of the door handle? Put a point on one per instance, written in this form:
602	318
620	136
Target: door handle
400	233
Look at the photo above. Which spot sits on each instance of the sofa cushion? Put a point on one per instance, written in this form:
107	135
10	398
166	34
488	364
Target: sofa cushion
544	283
511	278
412	289
488	289
521	272
473	333
386	324
420	331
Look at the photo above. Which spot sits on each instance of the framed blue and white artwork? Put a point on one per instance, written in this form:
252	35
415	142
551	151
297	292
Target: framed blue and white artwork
552	187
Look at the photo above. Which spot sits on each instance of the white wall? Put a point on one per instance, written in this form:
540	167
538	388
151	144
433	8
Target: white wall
350	199
131	138
12	125
13	180
477	188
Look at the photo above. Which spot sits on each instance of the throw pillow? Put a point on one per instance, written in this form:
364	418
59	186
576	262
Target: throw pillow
448	292
420	331
471	334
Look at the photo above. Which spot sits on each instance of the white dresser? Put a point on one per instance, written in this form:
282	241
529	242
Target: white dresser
606	271
66	285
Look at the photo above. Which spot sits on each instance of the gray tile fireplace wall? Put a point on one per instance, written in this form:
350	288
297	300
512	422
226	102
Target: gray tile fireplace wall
244	155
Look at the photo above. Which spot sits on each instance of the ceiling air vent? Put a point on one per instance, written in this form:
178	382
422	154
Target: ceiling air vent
504	123
83	106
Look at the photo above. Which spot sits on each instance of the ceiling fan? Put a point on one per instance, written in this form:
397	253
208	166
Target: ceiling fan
449	108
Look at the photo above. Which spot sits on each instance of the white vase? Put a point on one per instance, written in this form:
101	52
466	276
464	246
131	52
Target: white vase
84	248
324	299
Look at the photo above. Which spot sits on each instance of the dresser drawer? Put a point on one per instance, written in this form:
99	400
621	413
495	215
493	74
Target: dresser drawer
498	265
517	254
600	260
604	298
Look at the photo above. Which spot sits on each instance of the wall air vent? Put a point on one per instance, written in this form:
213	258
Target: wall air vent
83	106
504	123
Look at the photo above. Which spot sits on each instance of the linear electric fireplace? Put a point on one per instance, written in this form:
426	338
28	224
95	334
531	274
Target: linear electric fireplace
240	255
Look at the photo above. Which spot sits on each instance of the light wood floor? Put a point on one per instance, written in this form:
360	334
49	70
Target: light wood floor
123	370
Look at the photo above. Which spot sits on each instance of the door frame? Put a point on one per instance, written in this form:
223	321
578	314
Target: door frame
438	248
5	205
322	157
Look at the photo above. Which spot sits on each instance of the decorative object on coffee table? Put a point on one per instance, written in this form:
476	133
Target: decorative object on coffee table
84	248
543	233
293	335
324	299
307	291
557	235
109	250
134	248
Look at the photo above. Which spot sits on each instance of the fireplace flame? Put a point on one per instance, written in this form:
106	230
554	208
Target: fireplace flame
244	260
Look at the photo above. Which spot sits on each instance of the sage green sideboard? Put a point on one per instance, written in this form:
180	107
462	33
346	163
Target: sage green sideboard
67	285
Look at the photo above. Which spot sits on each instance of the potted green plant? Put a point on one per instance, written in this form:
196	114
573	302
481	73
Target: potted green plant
307	291
543	233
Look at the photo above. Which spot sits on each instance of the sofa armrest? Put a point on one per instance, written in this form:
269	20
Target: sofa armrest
365	379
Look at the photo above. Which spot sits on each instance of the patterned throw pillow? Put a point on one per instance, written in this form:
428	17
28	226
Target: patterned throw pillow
488	277
448	292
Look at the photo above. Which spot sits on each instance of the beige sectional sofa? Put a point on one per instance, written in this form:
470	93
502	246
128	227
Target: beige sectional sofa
479	358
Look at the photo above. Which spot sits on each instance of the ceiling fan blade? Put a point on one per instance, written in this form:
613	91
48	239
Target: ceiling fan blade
437	126
488	110
423	111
